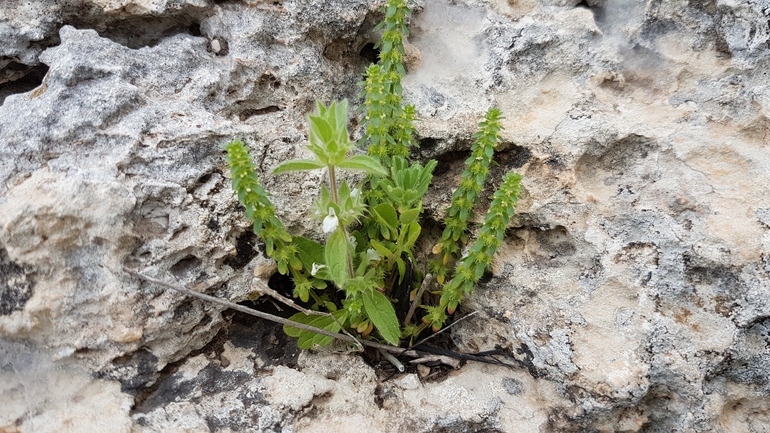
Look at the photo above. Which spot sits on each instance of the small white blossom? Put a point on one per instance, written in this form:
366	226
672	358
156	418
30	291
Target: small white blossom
372	255
316	268
331	222
354	193
353	241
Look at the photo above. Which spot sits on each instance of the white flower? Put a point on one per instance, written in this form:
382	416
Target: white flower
353	241
372	255
354	193
330	222
316	268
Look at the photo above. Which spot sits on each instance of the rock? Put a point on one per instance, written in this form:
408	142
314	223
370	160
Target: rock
40	394
632	290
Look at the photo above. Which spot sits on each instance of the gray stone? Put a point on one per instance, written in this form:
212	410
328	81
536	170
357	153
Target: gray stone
632	291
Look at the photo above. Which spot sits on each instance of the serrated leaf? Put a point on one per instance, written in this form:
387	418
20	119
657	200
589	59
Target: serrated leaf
298	165
380	311
365	163
337	257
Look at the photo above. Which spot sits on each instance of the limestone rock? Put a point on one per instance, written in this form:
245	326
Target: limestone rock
633	290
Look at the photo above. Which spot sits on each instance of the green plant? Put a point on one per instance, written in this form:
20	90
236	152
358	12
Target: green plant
369	252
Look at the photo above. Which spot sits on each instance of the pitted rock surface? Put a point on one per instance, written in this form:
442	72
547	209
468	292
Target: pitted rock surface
633	289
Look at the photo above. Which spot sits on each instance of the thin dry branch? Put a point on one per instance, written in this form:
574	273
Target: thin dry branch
263	288
261	315
425	283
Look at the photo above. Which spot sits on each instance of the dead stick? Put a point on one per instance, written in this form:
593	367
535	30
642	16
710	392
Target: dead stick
439	332
261	315
263	288
425	283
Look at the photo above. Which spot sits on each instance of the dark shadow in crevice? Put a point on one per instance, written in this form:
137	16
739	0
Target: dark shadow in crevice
187	267
369	53
251	112
142	31
25	78
245	250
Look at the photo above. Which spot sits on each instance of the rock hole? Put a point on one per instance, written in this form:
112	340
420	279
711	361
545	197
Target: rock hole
205	178
187	267
19	78
513	157
244	250
428	144
178	232
251	112
369	53
194	29
15	286
142	31
556	242
212	224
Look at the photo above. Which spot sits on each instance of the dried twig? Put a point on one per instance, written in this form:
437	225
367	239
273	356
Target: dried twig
446	360
400	351
266	316
263	288
425	283
393	361
442	330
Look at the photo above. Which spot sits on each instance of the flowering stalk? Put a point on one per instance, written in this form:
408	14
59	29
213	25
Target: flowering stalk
259	209
466	196
389	128
472	267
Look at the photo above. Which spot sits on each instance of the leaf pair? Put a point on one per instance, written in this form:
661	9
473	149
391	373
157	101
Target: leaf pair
330	144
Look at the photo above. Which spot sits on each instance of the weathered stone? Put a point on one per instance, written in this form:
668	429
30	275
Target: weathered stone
633	289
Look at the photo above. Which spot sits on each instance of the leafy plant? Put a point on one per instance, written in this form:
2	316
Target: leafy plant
369	252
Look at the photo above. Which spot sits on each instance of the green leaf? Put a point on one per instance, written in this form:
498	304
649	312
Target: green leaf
409	216
386	214
337	257
382	249
308	339
320	130
340	111
380	311
414	233
365	163
298	165
401	269
309	251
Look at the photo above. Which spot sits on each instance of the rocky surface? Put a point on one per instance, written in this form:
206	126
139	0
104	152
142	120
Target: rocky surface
633	290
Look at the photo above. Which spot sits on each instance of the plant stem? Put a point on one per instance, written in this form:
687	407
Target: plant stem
336	200
333	185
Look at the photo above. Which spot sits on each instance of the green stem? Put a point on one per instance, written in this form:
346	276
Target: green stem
333	185
336	200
